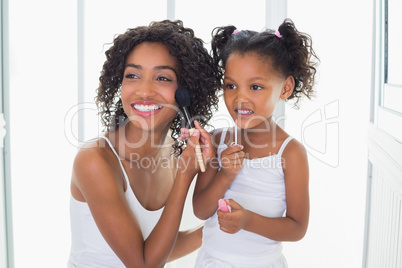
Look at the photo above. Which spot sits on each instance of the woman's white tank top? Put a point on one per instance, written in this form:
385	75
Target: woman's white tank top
88	247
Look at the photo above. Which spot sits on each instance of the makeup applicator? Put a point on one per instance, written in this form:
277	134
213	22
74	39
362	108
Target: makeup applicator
183	99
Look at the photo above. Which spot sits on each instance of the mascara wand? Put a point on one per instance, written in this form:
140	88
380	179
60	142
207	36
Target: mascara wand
183	99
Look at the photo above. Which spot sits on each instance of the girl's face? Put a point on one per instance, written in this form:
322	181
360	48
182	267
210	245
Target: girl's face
149	85
252	88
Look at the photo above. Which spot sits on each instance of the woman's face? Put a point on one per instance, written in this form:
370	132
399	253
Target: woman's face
149	85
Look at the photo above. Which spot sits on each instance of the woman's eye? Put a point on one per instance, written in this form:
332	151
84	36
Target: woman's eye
163	78
131	76
255	87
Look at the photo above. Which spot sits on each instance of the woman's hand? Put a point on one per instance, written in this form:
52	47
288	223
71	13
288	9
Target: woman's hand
231	158
188	160
234	221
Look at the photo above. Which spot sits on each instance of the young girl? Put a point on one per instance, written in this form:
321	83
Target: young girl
127	188
263	175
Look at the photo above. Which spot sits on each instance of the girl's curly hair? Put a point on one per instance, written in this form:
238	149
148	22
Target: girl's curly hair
291	54
197	72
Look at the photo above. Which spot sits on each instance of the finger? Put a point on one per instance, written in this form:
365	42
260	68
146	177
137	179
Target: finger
233	149
184	130
220	214
232	157
205	138
224	229
238	162
204	134
194	139
197	124
184	134
183	137
233	204
241	154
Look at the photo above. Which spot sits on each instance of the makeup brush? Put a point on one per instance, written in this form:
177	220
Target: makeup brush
183	99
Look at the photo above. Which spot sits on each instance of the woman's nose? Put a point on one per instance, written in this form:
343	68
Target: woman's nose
145	90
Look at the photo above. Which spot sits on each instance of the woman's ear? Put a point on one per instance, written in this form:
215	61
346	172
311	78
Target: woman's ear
288	87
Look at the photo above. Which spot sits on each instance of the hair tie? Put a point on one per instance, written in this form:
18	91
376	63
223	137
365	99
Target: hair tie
235	32
278	34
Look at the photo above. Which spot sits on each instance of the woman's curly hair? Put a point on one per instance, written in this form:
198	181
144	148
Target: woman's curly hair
291	54
197	72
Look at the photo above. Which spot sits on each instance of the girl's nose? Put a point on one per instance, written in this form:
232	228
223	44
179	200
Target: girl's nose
241	96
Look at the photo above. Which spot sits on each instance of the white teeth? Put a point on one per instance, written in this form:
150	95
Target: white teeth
244	111
147	108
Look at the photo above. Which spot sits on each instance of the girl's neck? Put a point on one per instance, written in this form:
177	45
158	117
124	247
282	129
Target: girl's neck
265	129
262	141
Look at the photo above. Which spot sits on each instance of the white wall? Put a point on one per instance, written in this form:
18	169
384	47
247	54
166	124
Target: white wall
341	32
43	90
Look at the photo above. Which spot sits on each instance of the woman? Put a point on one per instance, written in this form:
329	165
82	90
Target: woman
127	188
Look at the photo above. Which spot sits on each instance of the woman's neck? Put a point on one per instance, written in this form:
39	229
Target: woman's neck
131	140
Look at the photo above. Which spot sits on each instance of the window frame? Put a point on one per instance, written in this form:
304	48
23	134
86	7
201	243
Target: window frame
387	117
6	230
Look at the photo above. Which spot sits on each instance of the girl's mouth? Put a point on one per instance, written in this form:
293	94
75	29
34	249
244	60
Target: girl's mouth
243	111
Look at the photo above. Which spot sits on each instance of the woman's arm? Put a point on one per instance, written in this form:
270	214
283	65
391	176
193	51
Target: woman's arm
187	242
105	197
293	226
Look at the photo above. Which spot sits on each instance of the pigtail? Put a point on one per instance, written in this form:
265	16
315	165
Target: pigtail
302	60
220	38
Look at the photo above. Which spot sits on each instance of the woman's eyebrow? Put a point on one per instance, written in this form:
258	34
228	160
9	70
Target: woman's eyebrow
133	66
161	67
165	67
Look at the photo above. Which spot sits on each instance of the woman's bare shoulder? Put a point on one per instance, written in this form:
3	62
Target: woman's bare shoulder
94	159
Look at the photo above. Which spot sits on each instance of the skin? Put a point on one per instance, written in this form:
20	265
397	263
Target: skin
150	77
254	87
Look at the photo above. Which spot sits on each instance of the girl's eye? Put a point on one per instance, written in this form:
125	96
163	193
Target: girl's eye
255	87
230	86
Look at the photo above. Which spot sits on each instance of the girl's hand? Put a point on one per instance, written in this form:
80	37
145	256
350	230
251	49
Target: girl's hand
232	160
201	137
237	219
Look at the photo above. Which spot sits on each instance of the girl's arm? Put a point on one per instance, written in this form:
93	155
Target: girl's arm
293	226
212	184
118	225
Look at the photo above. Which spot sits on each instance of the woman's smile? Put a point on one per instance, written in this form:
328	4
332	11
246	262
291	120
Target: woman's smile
146	108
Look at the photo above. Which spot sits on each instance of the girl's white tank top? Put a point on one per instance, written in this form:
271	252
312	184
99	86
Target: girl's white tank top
258	187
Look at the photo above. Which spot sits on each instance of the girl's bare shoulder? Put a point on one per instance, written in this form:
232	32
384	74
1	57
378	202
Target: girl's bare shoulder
294	147
217	134
295	155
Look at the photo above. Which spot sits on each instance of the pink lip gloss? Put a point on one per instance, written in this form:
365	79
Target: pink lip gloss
223	206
